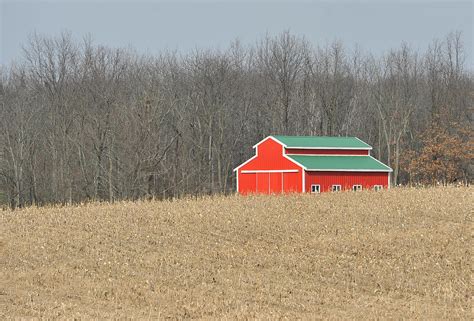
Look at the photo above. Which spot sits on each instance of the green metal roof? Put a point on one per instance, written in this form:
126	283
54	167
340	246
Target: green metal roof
340	163
322	142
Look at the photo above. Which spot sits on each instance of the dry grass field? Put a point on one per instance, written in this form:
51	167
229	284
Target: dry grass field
403	253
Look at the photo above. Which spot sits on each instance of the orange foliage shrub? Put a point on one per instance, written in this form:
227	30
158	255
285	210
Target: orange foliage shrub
445	156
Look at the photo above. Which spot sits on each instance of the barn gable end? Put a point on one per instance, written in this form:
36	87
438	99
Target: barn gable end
269	171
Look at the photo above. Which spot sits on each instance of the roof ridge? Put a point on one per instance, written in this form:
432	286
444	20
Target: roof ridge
305	136
345	142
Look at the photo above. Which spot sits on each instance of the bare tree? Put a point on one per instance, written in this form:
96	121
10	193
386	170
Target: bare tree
82	121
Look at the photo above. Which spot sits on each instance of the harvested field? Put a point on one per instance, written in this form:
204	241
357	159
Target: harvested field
392	254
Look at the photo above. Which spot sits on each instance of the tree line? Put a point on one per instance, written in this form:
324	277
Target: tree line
80	121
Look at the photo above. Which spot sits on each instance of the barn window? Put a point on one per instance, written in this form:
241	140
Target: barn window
315	188
336	188
378	188
356	188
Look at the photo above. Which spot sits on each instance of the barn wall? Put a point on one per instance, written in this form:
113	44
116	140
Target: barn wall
345	179
270	158
247	183
296	151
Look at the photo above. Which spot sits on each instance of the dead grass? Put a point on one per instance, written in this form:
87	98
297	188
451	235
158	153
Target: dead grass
402	253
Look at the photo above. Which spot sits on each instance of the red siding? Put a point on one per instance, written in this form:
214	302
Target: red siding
327	151
292	182
270	158
345	179
275	183
247	183
263	179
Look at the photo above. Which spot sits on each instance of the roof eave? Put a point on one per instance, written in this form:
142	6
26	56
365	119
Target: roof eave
389	168
344	148
268	137
348	170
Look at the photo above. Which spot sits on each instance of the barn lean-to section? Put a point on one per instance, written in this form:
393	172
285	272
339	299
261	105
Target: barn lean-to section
347	180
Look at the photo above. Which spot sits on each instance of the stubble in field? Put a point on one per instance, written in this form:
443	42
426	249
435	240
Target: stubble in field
398	253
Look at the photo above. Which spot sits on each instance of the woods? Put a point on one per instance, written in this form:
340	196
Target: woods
80	121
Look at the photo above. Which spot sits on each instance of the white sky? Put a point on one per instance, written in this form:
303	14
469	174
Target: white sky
152	26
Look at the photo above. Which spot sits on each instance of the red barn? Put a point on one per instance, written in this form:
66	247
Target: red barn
284	164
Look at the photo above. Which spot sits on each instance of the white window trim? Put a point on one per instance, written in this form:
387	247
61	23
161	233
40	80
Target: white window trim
359	187
334	185
318	190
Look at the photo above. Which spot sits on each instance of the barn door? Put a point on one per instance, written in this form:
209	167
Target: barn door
276	182
247	183
291	182
263	183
